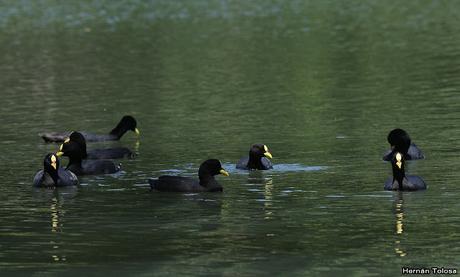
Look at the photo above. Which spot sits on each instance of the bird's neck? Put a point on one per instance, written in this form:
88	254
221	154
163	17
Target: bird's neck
83	152
54	175
75	161
403	147
398	176
119	131
255	161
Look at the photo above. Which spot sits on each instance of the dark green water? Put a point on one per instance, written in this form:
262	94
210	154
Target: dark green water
320	82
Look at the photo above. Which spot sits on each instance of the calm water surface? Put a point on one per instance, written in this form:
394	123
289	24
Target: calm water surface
320	82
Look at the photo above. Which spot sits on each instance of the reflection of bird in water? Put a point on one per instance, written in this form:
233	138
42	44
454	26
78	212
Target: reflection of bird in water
268	198
56	199
136	146
399	213
56	225
256	177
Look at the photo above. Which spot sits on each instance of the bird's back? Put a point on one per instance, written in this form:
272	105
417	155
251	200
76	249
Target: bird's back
110	153
94	167
415	183
414	153
54	136
176	183
410	183
66	178
264	162
43	179
243	163
90	137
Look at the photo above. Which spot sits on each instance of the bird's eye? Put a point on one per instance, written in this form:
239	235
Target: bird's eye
265	148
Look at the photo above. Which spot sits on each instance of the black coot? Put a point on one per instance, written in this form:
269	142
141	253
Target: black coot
100	154
206	181
401	181
52	175
400	141
127	123
258	158
77	165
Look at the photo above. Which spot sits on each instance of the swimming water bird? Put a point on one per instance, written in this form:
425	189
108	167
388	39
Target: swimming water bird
77	165
401	142
401	181
208	169
99	154
258	158
127	123
52	175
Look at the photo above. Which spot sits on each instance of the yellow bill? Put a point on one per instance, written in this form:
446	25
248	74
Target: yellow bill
267	153
399	160
223	172
53	162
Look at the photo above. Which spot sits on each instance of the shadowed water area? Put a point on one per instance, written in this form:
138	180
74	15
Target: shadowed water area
320	82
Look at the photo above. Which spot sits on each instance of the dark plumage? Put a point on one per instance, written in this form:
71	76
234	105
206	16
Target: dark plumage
126	123
52	175
99	154
258	158
79	166
401	142
206	182
400	181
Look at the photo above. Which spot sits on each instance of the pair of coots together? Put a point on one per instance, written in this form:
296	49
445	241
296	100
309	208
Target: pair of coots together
81	161
258	158
402	149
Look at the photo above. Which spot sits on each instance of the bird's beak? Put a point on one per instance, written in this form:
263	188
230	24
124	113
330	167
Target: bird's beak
268	155
137	131
53	162
60	153
223	172
399	160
